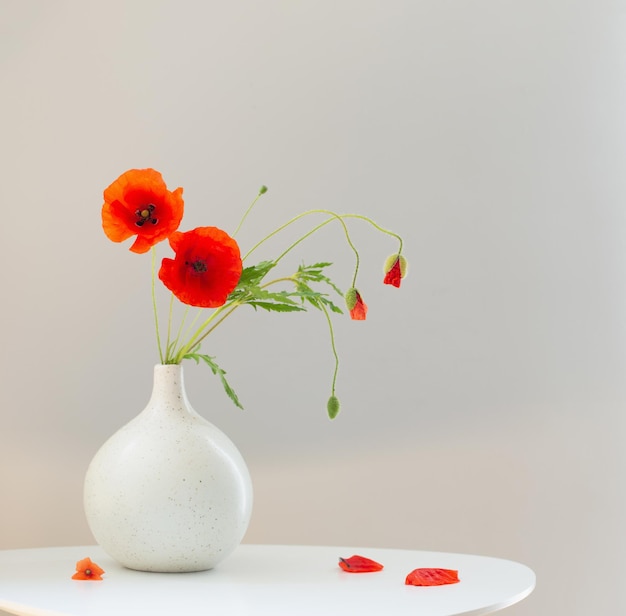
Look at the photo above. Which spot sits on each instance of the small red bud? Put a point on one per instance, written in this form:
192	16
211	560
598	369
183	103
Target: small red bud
395	269
356	305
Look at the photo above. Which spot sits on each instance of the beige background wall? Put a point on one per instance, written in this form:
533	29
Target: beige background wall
483	403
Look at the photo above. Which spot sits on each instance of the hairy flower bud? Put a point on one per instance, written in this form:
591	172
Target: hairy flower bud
350	298
395	269
355	304
333	407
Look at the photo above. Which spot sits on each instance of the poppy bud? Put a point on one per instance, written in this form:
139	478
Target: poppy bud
262	190
355	304
395	270
350	298
333	407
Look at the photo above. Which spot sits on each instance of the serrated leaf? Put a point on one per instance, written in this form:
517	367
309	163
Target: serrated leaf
253	274
283	297
314	273
275	306
208	360
315	298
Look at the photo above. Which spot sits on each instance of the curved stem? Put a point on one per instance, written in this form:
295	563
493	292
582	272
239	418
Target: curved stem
334	348
262	191
334	216
323	211
378	227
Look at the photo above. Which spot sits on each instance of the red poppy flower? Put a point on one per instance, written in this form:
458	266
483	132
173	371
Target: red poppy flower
86	569
395	270
138	203
206	268
359	564
356	305
432	577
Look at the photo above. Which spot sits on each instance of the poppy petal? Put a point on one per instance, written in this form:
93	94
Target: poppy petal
359	310
395	270
86	569
359	564
139	203
432	577
206	268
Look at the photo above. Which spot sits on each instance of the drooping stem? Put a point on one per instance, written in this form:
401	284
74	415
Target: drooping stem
378	227
333	346
334	216
322	211
312	231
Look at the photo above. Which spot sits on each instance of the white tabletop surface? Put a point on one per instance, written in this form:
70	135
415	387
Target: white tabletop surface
259	580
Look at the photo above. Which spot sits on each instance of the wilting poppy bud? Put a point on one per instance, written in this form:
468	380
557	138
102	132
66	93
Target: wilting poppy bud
355	304
333	407
395	269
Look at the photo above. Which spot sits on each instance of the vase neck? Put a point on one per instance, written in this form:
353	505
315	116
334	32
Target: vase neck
169	386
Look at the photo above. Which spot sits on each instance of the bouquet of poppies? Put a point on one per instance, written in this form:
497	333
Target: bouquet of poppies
209	272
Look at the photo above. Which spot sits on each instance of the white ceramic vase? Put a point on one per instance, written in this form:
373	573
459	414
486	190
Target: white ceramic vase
168	492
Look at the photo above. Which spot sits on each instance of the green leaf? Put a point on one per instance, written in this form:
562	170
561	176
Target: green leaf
315	298
208	360
275	306
314	273
252	276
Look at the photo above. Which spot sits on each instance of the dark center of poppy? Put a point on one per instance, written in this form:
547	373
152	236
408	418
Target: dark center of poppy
144	215
87	571
198	266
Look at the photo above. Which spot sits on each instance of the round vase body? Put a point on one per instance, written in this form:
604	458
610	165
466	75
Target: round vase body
168	492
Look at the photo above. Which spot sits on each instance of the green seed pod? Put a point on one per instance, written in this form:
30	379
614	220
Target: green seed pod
333	407
351	298
262	190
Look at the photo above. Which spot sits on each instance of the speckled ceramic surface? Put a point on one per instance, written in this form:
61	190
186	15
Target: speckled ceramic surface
168	492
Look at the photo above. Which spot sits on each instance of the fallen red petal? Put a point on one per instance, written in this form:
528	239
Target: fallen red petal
432	577
359	564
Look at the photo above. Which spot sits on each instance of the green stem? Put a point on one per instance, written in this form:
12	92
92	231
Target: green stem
334	216
332	344
322	211
378	227
262	191
154	304
169	327
323	224
192	324
199	336
179	332
230	308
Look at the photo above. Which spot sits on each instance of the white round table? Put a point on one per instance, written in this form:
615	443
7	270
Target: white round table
260	580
